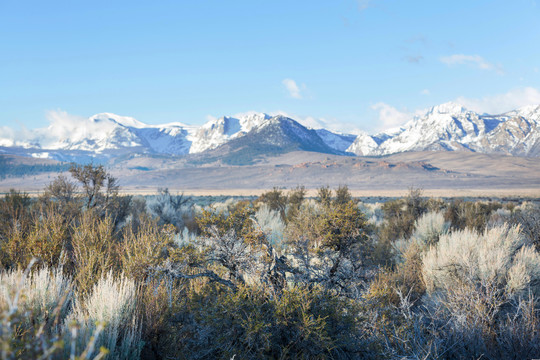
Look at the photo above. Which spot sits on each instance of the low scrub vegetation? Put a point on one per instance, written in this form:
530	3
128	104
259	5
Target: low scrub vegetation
89	274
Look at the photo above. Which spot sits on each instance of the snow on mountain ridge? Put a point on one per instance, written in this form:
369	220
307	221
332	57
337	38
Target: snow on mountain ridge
530	112
335	140
125	121
452	127
218	131
252	120
447	108
448	126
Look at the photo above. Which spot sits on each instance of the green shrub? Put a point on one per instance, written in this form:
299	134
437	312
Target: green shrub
330	245
471	215
302	324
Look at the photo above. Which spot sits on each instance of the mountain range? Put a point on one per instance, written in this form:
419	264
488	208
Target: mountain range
239	140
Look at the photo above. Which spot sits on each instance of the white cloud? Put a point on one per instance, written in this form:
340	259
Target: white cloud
64	125
500	103
61	126
425	92
390	117
76	128
10	136
475	60
7	136
292	88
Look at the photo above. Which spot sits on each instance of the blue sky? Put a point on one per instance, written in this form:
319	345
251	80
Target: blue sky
367	64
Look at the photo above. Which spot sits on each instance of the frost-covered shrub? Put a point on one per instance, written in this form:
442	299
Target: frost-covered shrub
406	275
271	223
528	217
499	217
169	209
40	293
499	258
31	308
428	229
475	277
525	270
373	212
184	237
477	286
526	206
223	206
112	304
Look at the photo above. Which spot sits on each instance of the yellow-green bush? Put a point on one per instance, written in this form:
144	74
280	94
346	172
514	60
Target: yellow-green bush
249	324
94	250
140	251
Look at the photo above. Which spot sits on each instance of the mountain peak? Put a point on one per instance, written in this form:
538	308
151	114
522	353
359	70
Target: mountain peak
448	126
447	108
126	121
529	111
280	117
253	115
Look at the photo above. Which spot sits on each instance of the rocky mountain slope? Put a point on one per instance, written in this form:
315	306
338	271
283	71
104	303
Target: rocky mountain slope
106	136
451	127
278	135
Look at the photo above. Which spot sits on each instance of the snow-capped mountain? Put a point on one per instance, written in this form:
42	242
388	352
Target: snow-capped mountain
277	135
219	131
448	127
108	135
105	132
337	141
451	127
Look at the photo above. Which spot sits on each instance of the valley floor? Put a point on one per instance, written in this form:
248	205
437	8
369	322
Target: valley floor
441	174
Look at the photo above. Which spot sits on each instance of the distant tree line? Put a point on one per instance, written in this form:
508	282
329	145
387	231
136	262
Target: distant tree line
9	169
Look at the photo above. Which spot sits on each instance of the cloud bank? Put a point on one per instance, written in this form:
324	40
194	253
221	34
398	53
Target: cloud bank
390	117
500	103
